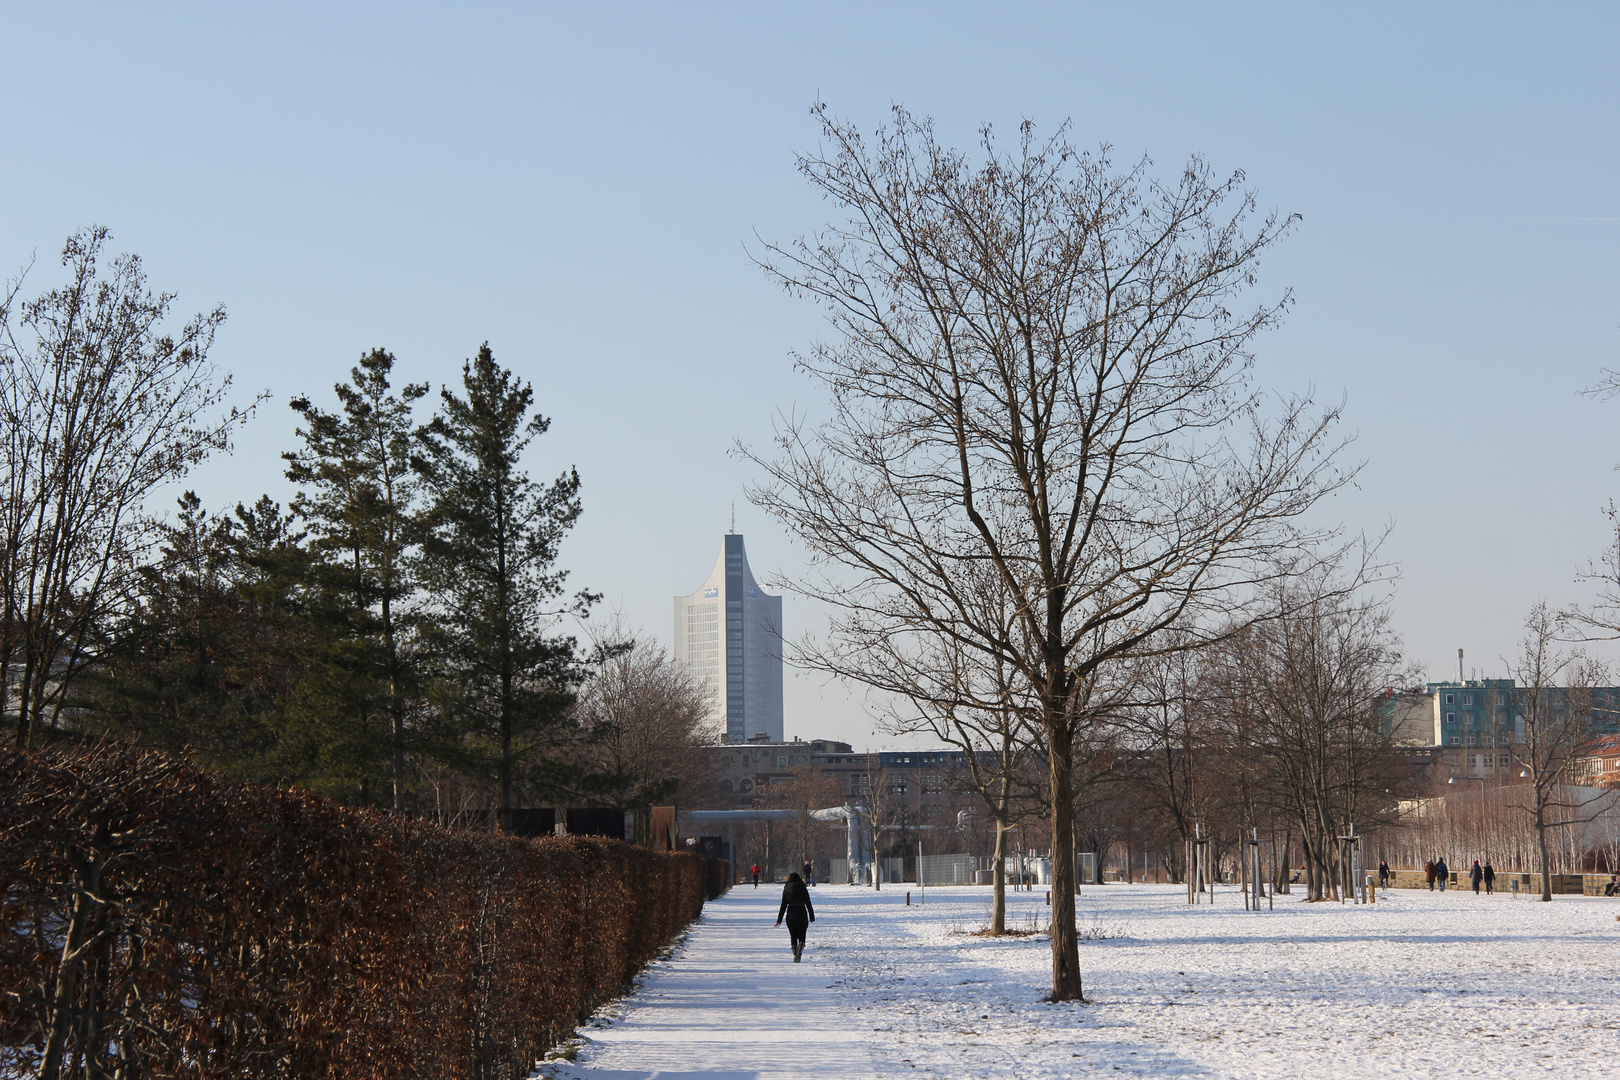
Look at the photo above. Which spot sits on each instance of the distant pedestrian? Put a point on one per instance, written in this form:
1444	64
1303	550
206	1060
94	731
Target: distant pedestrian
1613	887
810	872
796	908
1428	874
1383	874
1442	872
1475	876
1490	878
755	871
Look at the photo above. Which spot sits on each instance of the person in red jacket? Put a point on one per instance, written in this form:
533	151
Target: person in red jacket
755	871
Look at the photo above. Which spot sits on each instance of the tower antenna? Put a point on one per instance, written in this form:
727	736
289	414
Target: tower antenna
733	517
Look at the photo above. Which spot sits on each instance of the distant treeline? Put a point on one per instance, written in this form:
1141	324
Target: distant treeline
394	636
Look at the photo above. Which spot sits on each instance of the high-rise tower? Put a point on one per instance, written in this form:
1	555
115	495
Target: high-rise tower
729	635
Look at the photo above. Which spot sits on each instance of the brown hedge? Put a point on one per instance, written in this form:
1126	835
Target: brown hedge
159	920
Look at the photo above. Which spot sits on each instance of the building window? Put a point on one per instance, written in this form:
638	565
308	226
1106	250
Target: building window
1468	699
1473	760
1451	699
1451	718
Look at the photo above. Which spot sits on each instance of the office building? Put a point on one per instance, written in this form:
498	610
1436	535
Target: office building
729	635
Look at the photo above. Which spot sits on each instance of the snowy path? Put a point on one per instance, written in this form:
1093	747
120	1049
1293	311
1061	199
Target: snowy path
731	1005
1420	984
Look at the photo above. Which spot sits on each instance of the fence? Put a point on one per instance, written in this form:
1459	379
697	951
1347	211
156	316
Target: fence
158	920
946	869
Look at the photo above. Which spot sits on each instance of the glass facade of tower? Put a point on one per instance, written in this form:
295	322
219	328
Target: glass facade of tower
729	636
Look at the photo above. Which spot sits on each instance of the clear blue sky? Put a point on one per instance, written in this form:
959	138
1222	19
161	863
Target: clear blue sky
580	184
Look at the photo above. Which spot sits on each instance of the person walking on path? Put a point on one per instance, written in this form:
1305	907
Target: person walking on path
810	873
797	910
755	871
1475	876
1428	874
1441	872
1490	878
1383	874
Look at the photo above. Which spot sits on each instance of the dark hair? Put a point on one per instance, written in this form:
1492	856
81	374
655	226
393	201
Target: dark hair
792	878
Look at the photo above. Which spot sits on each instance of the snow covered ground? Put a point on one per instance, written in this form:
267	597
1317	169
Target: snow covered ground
1420	984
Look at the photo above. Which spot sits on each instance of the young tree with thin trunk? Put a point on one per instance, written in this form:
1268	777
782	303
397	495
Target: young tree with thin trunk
1039	374
1552	703
490	558
359	497
1173	760
978	714
101	403
877	804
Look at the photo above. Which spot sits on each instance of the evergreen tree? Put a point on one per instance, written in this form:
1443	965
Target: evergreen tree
163	676
359	500
490	555
217	646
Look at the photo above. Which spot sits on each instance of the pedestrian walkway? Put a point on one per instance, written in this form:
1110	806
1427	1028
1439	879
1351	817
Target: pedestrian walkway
731	1005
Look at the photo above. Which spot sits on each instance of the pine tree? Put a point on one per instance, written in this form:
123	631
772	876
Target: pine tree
217	650
490	556
359	502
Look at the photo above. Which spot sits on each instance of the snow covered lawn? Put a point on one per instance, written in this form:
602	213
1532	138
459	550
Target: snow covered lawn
1420	984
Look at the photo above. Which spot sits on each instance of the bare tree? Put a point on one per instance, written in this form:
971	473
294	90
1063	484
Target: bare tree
642	721
1173	744
1552	704
878	803
1039	376
101	403
809	788
976	714
1306	688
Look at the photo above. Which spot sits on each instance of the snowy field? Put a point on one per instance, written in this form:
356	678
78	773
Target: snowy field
1419	984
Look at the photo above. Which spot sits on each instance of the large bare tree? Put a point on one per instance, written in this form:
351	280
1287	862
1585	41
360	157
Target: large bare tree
1038	372
102	401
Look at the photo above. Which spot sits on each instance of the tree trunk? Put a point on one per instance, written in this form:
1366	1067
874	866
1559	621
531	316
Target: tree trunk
998	901
1065	940
877	866
1541	839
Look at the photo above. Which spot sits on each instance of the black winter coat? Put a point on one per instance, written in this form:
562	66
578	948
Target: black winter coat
795	900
